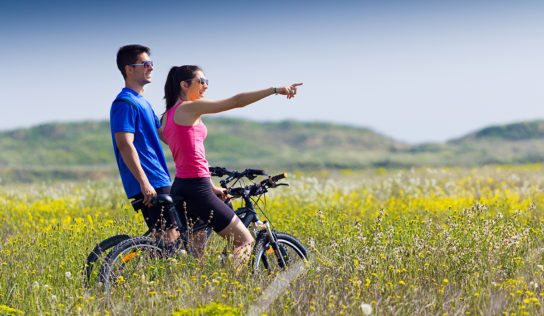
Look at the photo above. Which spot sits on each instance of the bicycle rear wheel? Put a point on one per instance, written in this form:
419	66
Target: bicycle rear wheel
134	261
264	257
97	252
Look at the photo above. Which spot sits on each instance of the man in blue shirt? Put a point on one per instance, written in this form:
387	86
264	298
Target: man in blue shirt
135	134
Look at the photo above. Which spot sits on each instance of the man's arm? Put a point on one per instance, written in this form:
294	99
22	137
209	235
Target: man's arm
125	143
161	136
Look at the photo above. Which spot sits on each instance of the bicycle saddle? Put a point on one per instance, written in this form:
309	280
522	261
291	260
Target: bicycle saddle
162	200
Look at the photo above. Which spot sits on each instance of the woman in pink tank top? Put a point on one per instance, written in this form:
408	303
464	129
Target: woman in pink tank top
184	131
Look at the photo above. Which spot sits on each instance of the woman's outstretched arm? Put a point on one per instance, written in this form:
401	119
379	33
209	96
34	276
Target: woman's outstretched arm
203	106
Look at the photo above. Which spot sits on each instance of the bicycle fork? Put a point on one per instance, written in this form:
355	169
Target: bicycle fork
273	242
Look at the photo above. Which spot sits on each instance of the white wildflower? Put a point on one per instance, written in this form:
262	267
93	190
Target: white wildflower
366	308
68	275
36	285
541	267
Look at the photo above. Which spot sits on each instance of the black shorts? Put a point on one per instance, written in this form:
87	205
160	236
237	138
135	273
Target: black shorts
203	206
155	216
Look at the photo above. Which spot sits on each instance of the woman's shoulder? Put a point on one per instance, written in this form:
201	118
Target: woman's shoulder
182	117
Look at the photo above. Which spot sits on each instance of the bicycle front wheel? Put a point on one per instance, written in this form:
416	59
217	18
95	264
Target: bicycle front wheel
97	252
265	258
135	261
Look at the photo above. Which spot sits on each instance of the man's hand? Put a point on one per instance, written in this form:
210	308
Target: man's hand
148	192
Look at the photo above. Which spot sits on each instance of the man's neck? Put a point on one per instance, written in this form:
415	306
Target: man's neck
138	88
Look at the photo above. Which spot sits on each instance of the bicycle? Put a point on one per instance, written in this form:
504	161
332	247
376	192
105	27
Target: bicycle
273	250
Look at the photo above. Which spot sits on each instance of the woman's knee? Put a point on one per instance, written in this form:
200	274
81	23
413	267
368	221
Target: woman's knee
236	231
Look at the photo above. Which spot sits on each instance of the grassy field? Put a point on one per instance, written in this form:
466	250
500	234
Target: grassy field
428	241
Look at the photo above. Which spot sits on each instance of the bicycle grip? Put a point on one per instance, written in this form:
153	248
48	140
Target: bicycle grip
217	171
257	172
278	177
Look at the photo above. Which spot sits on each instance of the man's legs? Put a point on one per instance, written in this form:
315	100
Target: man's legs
161	220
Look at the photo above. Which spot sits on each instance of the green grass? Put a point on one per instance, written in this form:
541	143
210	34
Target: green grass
427	241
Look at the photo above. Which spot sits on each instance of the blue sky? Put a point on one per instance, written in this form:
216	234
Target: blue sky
416	71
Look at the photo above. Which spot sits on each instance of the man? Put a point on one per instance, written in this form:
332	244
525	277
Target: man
135	135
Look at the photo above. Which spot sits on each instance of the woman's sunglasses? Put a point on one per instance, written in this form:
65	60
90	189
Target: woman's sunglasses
202	80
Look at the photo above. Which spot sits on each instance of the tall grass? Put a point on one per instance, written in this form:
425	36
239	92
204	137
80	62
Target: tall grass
422	241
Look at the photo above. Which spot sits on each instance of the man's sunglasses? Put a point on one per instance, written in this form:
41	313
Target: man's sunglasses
202	80
146	64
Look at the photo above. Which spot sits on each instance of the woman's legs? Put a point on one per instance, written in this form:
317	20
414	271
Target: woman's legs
204	206
242	240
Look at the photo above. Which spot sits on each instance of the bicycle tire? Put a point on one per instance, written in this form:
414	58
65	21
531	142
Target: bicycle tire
265	258
98	251
128	259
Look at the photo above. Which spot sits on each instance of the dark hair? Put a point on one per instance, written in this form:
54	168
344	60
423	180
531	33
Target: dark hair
129	55
176	75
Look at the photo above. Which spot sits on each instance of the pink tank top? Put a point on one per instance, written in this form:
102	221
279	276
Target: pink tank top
187	146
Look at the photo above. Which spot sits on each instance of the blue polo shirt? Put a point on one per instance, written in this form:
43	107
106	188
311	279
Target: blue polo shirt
138	117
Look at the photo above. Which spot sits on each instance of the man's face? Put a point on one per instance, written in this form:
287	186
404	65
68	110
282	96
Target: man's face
140	73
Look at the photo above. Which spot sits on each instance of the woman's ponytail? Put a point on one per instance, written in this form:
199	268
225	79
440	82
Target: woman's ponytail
171	89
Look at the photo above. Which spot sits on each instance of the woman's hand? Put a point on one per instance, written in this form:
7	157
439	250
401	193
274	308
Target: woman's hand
289	91
220	192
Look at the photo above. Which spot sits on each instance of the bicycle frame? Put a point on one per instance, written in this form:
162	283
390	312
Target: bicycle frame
246	213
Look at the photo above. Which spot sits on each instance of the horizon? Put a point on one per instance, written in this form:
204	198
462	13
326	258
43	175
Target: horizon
291	120
415	72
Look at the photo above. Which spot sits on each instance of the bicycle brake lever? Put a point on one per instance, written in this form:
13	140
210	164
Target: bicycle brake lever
286	184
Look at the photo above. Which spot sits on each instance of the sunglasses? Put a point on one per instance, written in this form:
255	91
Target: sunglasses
202	80
146	64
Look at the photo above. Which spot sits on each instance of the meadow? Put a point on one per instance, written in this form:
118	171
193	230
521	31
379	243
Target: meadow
424	241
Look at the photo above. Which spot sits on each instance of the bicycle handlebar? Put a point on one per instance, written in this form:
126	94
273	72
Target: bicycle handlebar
248	173
218	171
258	188
252	173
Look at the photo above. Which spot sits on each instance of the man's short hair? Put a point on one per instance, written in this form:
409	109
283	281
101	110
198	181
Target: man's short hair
128	55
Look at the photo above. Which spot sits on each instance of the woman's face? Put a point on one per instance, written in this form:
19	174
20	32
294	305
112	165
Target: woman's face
196	89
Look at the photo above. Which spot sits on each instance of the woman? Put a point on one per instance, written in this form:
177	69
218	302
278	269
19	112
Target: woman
185	132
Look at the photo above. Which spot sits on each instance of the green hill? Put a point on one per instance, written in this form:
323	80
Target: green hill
508	132
57	144
516	143
83	150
